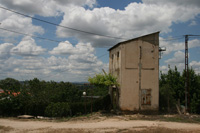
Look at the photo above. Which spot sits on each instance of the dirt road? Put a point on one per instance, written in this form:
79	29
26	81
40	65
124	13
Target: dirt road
98	125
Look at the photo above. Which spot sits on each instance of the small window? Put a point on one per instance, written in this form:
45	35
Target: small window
146	96
118	54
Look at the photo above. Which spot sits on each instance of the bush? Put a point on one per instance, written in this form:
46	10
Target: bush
103	103
59	109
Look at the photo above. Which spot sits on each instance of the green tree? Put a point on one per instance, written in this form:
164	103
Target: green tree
10	85
172	89
194	91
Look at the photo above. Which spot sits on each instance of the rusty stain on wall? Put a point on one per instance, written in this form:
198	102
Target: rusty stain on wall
135	63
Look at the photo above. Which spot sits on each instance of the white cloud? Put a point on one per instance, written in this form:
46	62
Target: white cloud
193	23
77	66
81	56
5	50
66	48
178	60
27	47
196	66
17	23
176	46
163	69
135	20
51	68
63	48
45	7
185	3
179	57
79	61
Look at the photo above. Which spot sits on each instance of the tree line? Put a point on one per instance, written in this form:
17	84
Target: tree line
172	91
41	98
58	99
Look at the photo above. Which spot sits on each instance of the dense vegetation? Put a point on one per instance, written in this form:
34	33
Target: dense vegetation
36	97
172	90
55	99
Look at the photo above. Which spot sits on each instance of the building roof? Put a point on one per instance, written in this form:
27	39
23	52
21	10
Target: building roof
141	37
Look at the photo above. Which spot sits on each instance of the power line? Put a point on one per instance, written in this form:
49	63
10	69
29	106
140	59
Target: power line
66	27
173	39
102	55
42	38
78	30
30	35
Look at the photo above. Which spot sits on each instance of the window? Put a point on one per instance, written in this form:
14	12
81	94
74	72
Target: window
146	96
118	54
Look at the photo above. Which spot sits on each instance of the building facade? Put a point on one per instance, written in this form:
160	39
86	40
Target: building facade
135	63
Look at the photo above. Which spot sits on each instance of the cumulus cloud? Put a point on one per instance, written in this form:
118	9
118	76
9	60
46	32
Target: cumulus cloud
63	48
177	46
135	20
179	57
196	66
18	23
45	7
27	47
5	50
78	64
50	68
80	57
177	60
66	48
193	23
185	3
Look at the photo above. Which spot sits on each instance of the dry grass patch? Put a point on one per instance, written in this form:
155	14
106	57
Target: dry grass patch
4	129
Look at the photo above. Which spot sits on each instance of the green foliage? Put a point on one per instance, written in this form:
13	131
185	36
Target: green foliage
10	85
97	91
53	99
59	109
103	80
103	103
172	89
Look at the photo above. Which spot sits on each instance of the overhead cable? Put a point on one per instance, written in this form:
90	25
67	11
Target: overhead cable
66	27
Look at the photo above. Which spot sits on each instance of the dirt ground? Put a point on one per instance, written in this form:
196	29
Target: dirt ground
100	124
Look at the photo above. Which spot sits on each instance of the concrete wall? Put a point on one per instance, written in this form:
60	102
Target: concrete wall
137	70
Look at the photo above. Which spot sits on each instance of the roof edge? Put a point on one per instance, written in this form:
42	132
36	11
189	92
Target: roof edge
132	40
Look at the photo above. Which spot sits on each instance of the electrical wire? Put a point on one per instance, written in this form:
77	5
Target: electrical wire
172	39
66	27
74	29
30	35
42	38
102	55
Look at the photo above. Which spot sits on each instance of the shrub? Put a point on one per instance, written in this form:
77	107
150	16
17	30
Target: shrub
59	109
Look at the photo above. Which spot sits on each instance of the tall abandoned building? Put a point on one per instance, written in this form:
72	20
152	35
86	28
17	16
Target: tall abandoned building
135	63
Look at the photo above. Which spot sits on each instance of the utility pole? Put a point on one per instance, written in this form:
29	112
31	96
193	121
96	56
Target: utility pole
187	88
186	74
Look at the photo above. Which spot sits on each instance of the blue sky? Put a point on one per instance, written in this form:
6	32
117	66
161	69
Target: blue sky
74	56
